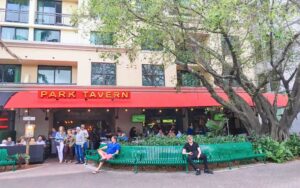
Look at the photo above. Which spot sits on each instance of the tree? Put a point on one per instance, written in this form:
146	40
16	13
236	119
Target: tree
219	41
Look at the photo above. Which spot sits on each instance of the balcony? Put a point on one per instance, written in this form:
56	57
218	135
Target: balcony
53	19
14	16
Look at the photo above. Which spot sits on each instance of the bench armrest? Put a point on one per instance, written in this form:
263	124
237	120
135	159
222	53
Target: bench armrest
185	156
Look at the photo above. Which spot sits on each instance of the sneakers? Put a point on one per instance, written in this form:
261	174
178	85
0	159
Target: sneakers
207	171
198	172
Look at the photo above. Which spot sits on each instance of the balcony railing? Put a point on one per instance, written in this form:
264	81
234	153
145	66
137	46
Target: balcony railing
14	16
53	19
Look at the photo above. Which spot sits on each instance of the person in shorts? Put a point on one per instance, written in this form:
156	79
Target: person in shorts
111	150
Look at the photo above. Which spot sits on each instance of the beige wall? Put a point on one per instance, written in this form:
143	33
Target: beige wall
69	6
3	4
42	126
128	74
29	74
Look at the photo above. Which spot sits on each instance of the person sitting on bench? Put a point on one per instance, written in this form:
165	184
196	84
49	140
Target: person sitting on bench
193	151
111	150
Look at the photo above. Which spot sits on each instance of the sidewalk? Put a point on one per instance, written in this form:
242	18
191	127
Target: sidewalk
53	174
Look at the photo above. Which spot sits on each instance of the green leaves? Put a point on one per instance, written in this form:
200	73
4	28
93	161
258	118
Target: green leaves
278	151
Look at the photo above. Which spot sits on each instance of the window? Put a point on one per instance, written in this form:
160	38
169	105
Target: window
234	41
103	74
151	40
187	51
10	73
98	38
49	12
17	11
54	75
186	78
153	75
14	33
46	35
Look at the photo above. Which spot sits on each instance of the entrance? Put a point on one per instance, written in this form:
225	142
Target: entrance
94	120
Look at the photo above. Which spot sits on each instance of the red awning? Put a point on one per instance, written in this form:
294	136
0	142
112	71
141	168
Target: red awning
139	98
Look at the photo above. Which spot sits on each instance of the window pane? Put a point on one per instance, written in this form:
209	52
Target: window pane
46	75
17	11
8	33
49	12
153	75
188	79
101	38
103	74
63	76
10	73
47	35
21	34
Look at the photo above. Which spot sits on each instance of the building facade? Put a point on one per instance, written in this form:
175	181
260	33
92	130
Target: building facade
61	75
54	55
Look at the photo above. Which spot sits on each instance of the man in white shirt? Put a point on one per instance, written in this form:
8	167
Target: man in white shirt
86	135
79	143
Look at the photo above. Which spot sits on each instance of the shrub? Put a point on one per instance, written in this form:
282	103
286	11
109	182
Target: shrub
167	141
277	151
293	144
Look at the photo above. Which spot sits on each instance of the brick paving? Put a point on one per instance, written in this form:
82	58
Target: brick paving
54	175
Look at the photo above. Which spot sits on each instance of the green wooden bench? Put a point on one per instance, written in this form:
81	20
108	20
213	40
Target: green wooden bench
229	152
172	155
128	155
6	160
93	155
160	156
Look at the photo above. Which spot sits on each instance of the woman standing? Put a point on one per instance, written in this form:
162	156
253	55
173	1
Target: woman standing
70	141
60	137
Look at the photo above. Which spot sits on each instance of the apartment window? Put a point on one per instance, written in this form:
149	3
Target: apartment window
99	38
153	75
151	41
54	75
188	79
17	11
49	12
14	33
10	73
46	35
103	74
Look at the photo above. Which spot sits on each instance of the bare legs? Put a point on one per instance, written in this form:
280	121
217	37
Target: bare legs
102	154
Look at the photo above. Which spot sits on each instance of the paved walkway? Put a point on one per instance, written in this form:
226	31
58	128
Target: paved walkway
54	175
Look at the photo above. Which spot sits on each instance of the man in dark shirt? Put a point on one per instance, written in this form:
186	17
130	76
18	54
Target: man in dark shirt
193	151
